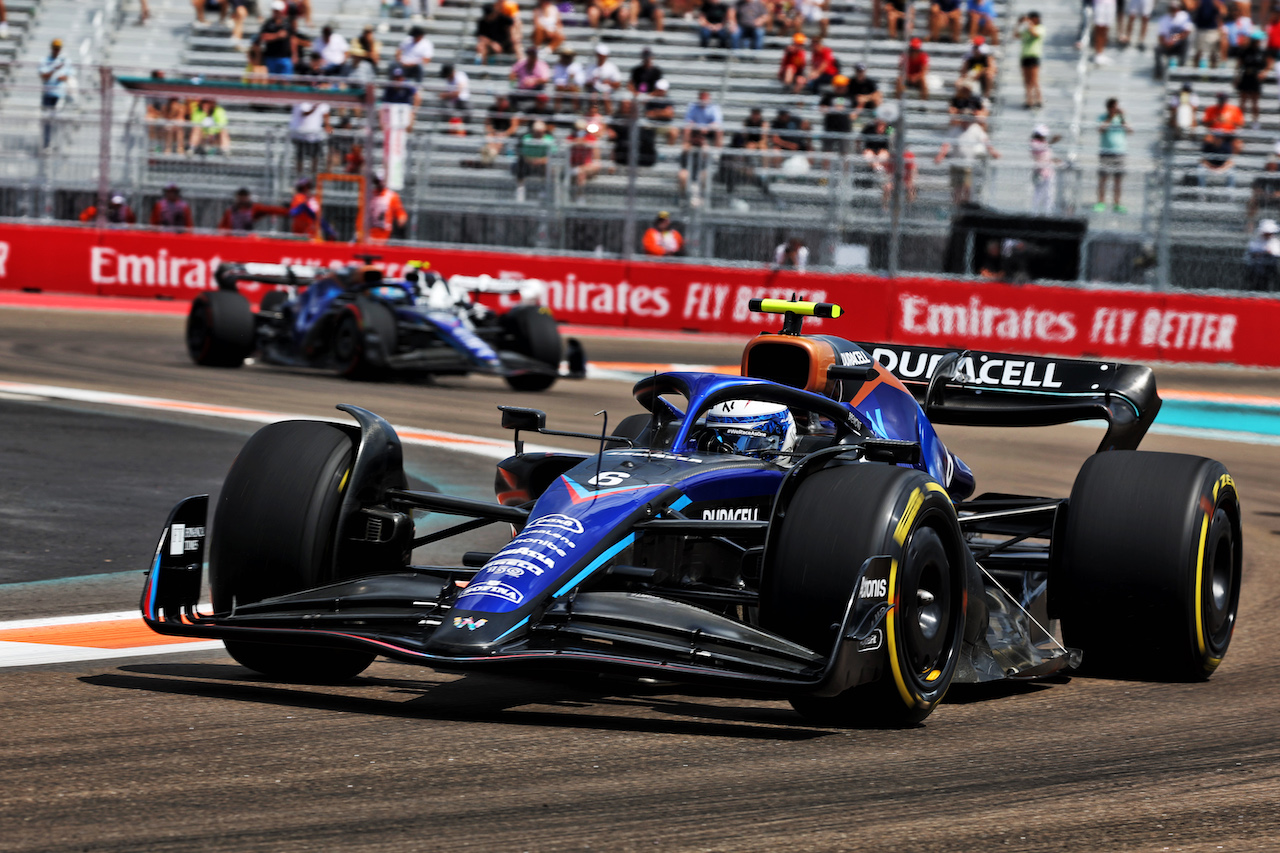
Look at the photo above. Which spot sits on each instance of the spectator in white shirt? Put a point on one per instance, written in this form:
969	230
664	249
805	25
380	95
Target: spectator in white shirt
793	254
604	78
332	48
457	89
414	53
309	128
1173	37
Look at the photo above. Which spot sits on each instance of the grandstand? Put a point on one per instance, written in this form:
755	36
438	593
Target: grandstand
456	196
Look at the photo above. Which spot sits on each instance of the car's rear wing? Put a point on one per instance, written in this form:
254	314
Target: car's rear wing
976	388
294	275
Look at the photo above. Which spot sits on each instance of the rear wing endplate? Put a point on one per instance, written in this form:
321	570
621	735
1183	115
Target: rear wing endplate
977	388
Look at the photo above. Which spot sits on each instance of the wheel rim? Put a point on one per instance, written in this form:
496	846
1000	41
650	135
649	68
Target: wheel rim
1218	590
926	602
346	342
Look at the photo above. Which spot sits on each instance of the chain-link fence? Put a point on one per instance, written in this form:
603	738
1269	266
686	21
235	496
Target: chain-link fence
895	188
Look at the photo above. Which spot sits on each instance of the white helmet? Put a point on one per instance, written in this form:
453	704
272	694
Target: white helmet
751	428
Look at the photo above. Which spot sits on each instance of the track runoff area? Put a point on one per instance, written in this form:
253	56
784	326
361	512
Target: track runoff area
1250	419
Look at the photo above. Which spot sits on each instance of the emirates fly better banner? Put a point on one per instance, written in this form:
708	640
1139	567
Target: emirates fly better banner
1066	321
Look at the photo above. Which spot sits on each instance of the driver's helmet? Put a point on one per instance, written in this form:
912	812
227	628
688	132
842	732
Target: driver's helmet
751	428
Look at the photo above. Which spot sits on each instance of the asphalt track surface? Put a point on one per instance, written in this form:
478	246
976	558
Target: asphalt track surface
189	751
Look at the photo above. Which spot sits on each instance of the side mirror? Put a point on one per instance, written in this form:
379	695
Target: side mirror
517	418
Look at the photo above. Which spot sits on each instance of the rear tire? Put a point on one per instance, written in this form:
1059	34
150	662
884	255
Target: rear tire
220	329
896	512
534	333
274	533
1148	576
351	350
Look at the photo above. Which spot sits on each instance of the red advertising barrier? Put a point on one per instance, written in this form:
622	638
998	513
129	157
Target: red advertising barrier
1065	321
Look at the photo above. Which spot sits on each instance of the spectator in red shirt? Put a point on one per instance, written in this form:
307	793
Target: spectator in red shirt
823	66
1224	117
916	68
794	61
244	212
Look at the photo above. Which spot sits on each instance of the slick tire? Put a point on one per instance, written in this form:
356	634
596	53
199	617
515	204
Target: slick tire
837	518
274	532
533	332
1147	580
352	352
220	329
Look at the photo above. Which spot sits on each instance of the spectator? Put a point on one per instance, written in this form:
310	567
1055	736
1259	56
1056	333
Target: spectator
1031	33
304	212
511	9
1251	70
1044	172
54	74
534	152
209	124
1223	116
644	75
737	167
787	136
897	11
838	111
568	79
171	209
457	91
863	90
660	112
979	66
1182	111
753	130
202	6
705	117
276	41
694	159
661	239
908	180
753	22
4	20
365	53
966	105
1273	32
915	70
312	66
400	91
982	20
604	78
244	212
1208	17
494	34
1265	197
1237	32
309	128
584	150
794	62
621	129
1262	257
1217	160
548	29
414	53
814	13
946	13
791	255
332	48
877	138
1104	18
717	22
1112	145
965	150
1173	38
118	213
651	10
500	126
386	215
530	76
617	11
823	66
1135	9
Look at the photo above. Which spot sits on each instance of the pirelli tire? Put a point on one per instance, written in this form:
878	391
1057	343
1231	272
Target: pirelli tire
532	331
1147	572
274	532
220	329
364	338
836	519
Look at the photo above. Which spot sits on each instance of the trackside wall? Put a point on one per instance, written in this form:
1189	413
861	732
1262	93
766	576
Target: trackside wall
1063	321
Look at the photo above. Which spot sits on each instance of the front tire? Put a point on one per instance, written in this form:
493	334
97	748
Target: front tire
275	532
220	329
1148	576
837	518
534	333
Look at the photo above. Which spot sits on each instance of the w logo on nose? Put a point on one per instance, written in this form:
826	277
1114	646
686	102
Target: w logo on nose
469	623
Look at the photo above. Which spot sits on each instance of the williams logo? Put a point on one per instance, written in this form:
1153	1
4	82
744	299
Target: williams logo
745	513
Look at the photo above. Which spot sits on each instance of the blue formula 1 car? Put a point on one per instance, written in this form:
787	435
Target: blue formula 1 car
798	530
355	321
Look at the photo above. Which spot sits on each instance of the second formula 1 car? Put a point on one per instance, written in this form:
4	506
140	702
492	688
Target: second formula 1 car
353	320
799	530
